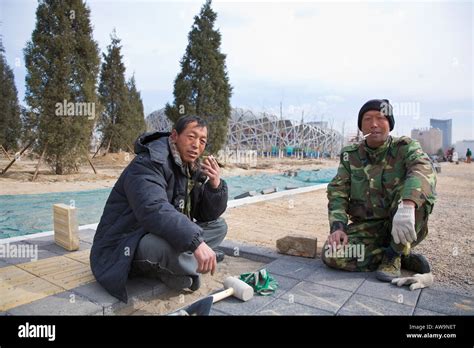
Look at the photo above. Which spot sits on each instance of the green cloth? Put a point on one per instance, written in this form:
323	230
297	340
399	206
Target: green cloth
261	282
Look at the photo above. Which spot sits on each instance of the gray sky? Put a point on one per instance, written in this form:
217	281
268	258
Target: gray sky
323	58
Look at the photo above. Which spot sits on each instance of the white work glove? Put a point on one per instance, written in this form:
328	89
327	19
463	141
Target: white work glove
417	281
403	225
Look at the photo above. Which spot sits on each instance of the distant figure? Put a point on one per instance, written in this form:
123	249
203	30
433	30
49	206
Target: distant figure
385	186
468	155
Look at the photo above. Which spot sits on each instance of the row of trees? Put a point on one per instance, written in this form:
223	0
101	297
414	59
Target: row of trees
65	105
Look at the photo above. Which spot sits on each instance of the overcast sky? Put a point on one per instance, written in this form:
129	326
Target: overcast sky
323	58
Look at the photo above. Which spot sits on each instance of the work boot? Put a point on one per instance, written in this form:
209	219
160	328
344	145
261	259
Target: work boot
219	255
196	283
416	263
390	266
176	282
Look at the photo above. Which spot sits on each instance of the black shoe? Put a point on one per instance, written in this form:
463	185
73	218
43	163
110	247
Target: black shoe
176	282
196	283
416	263
219	255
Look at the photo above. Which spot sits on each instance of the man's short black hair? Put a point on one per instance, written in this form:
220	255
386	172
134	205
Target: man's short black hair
183	121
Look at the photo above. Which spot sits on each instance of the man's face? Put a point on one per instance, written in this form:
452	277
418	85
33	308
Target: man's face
375	123
191	142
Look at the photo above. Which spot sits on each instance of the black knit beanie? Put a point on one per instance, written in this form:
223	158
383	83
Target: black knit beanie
379	105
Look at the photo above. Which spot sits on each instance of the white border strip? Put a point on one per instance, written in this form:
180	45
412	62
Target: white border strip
230	204
260	198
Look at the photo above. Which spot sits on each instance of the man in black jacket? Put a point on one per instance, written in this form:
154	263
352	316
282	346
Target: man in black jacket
162	218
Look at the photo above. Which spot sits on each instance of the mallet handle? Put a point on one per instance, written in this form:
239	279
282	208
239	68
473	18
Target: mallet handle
222	295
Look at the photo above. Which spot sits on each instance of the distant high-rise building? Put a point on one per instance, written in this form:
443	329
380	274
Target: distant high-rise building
431	140
446	128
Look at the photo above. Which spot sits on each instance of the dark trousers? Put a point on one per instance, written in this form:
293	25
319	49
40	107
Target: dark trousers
155	255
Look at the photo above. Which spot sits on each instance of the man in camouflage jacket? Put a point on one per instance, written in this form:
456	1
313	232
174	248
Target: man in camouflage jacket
386	187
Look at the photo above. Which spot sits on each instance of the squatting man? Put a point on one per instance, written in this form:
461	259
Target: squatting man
386	187
162	218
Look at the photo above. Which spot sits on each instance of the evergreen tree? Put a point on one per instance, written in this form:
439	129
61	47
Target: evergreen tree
202	87
115	121
137	114
10	121
62	62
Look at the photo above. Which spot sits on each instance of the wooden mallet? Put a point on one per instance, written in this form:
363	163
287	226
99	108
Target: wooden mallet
234	287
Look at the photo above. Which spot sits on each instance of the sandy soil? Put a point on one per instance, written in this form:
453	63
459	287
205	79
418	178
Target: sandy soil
171	301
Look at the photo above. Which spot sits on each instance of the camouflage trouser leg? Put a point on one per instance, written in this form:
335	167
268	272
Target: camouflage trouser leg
367	242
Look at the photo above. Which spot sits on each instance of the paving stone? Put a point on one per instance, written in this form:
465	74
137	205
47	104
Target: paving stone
284	284
61	271
234	306
364	305
281	307
41	241
87	235
446	303
58	250
297	246
215	312
387	291
337	279
248	251
24	252
97	294
317	296
59	304
18	287
421	311
290	268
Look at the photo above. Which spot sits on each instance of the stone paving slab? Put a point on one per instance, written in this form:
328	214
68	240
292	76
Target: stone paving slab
18	287
281	307
385	291
58	250
64	303
22	252
95	293
290	268
234	306
364	305
61	271
446	303
284	284
307	287
421	311
317	296
350	281
87	235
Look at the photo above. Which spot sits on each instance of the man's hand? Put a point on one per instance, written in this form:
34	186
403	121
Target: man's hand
210	167
335	238
403	224
206	259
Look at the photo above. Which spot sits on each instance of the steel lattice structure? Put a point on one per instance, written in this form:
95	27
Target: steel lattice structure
265	132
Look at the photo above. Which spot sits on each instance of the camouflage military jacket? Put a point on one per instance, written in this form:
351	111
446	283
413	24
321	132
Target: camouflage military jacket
370	183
